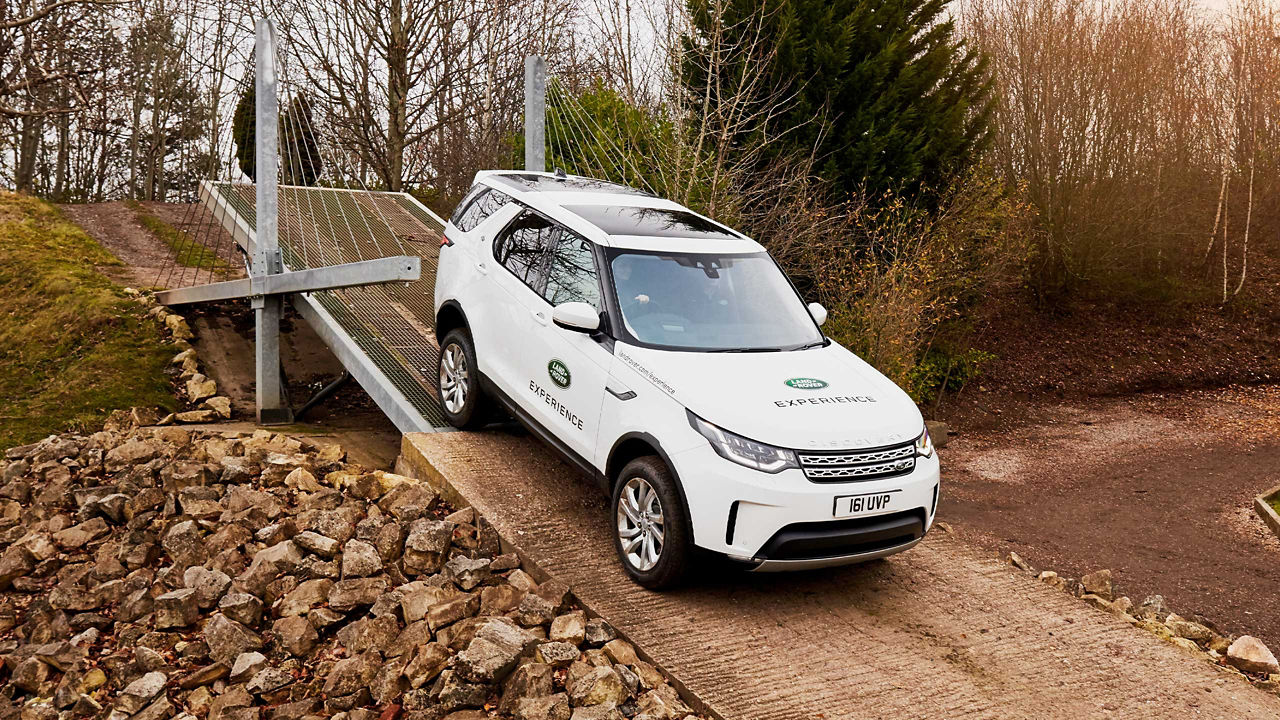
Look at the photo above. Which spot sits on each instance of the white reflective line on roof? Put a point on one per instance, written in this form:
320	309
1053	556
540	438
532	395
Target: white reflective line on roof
683	245
611	199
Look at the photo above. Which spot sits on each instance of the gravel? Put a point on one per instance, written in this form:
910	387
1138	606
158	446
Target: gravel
164	572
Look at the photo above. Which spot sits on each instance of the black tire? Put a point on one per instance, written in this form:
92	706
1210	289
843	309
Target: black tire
675	557
473	410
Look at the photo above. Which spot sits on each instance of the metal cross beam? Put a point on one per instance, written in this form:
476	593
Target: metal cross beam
403	268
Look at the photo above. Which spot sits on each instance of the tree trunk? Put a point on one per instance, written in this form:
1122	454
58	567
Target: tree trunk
397	96
100	174
63	160
135	142
28	150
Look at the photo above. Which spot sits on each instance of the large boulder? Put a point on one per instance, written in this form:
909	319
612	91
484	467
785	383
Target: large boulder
243	608
1189	629
347	595
352	674
1249	654
77	536
360	559
178	608
227	638
493	652
1098	583
210	585
426	546
295	634
308	594
570	627
132	453
370	633
427	663
139	693
599	686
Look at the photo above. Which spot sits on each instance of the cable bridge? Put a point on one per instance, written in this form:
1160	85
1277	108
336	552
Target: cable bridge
358	265
332	244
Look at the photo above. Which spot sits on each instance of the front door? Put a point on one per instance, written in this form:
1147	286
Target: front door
558	375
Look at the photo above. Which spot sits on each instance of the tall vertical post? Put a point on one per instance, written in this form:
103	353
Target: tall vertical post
535	113
266	248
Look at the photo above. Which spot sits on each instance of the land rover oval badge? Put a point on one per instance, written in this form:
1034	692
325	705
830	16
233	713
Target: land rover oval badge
806	383
559	373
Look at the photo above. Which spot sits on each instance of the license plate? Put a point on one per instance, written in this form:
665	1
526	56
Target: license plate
866	503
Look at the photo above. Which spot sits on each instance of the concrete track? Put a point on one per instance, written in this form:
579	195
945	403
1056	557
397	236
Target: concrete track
936	632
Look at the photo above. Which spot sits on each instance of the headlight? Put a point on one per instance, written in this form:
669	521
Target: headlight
924	446
735	448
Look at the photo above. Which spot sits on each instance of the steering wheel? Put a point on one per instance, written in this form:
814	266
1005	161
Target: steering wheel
655	324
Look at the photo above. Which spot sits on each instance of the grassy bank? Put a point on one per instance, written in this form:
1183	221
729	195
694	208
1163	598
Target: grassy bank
72	346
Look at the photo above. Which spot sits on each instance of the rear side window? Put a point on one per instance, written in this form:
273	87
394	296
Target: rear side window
525	248
477	207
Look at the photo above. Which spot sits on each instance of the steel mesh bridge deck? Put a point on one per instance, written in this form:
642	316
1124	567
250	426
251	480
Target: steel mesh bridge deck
383	334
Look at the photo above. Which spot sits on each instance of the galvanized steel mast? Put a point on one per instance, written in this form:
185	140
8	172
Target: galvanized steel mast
271	406
535	113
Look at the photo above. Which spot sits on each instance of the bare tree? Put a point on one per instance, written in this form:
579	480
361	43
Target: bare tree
34	78
391	80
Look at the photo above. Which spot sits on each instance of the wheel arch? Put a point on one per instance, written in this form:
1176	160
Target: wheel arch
634	445
450	317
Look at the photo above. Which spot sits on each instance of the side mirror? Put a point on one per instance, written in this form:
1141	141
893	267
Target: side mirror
576	316
818	312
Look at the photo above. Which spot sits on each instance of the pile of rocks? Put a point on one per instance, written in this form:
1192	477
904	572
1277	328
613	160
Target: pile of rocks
159	572
1246	654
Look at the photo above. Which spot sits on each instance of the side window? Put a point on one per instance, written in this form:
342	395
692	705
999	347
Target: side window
477	207
466	203
571	276
524	248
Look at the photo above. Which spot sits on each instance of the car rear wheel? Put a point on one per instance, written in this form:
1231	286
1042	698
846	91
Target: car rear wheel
461	397
651	530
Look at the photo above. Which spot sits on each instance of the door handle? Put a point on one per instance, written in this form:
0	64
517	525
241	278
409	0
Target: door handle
617	389
482	267
540	316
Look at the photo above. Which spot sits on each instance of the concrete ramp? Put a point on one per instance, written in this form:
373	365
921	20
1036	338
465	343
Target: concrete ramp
937	632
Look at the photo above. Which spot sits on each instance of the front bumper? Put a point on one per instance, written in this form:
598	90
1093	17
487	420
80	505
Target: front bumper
786	522
826	562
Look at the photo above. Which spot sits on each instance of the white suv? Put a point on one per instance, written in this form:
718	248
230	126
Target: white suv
671	359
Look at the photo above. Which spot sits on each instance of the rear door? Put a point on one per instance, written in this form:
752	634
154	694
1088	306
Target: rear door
471	279
515	267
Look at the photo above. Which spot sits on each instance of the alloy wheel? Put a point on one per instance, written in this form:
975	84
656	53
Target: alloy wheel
453	378
640	524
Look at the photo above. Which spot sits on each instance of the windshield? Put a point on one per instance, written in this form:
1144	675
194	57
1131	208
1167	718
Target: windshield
699	301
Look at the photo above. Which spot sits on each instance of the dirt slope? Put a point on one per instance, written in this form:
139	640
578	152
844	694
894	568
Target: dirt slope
115	226
936	632
148	262
1157	488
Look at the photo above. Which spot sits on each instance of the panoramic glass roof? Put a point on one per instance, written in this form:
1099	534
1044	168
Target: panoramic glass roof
651	222
528	182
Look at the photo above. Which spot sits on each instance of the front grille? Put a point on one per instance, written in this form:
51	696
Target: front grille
859	465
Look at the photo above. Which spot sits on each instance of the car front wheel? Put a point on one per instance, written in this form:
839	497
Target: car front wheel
461	397
651	532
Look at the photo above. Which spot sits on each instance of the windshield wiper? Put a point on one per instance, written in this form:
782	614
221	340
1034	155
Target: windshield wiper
816	343
748	350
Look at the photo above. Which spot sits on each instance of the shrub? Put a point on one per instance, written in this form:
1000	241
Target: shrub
893	275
